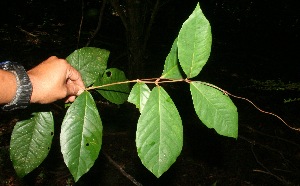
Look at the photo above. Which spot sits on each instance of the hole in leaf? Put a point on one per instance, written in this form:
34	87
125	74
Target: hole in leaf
52	133
87	144
108	73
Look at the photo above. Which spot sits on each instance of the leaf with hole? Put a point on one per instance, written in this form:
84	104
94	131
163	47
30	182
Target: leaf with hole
159	135
117	93
139	95
194	43
31	141
81	135
214	109
90	62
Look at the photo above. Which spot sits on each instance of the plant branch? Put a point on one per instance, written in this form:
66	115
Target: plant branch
267	170
152	18
26	32
280	153
151	80
253	142
81	21
116	5
271	174
157	81
271	136
99	22
122	170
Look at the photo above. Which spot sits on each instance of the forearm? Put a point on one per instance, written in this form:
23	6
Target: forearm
8	86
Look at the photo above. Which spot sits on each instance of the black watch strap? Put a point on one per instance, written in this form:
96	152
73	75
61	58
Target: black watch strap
24	86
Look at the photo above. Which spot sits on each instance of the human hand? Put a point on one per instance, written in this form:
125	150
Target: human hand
55	79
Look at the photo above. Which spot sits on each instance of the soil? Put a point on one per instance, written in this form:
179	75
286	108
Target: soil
266	152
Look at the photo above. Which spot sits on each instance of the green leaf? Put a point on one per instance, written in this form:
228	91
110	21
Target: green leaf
159	135
31	141
81	135
118	93
90	62
194	43
139	95
214	109
171	67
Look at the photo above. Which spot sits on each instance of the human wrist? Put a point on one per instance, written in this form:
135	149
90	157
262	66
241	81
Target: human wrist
23	86
8	86
34	96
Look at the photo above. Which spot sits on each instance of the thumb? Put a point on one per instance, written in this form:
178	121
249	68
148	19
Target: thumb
79	91
72	88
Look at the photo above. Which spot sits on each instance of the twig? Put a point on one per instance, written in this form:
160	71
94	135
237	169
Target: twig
116	5
152	80
107	85
267	170
271	136
151	21
252	142
121	170
99	22
278	178
281	154
26	32
81	21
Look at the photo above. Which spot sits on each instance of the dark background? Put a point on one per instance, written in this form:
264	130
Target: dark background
263	35
252	40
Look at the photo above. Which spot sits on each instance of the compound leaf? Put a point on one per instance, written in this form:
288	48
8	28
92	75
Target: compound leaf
171	67
31	141
118	93
139	95
159	135
81	135
194	43
214	109
90	62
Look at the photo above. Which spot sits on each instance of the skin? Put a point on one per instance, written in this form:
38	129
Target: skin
8	86
52	80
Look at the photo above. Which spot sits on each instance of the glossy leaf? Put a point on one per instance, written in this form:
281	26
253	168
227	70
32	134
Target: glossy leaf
90	62
31	141
215	109
159	135
194	43
118	93
171	68
81	135
139	95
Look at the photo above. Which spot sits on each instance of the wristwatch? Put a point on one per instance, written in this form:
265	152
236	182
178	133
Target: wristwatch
24	86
